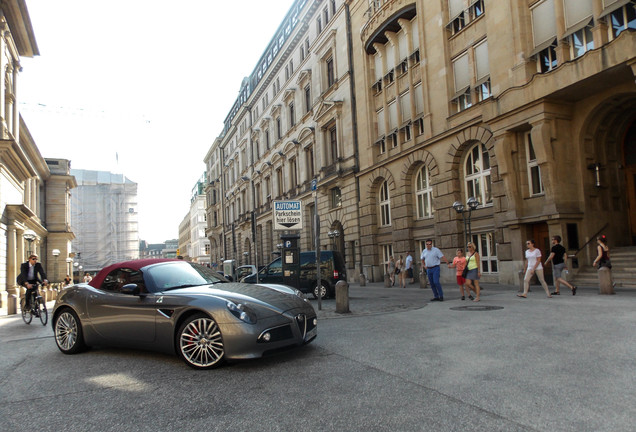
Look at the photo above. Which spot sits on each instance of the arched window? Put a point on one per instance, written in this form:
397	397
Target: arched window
423	194
385	204
477	174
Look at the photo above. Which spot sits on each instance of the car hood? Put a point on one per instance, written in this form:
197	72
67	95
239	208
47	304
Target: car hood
275	300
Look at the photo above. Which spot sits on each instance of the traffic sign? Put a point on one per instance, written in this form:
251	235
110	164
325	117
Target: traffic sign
288	215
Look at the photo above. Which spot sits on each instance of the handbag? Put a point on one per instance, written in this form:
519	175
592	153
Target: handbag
465	271
397	271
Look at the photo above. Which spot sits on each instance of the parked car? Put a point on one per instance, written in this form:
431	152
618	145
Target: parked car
244	271
180	307
332	265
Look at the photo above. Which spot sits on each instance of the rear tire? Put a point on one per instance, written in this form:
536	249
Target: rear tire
26	314
68	332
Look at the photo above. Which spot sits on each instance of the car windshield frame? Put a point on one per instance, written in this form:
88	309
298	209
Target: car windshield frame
174	275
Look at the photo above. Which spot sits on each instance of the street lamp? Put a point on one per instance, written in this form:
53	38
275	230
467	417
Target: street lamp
29	235
56	254
460	208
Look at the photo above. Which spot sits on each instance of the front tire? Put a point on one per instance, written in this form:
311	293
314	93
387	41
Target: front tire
324	291
200	343
43	313
68	332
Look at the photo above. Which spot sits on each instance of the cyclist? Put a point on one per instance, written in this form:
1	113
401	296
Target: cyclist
31	273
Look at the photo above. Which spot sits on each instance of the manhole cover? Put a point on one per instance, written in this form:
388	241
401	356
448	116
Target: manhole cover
476	308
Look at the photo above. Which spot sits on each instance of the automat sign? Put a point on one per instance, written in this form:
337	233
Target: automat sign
288	215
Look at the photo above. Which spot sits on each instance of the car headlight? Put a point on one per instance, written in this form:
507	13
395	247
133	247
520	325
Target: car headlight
242	312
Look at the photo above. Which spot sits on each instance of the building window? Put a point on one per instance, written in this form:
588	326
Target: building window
581	41
293	174
310	162
330	72
405	133
385	204
419	126
336	201
333	7
482	71
461	71
487	248
547	59
387	252
279	181
477	174
393	139
307	99
257	191
456	15
477	9
424	194
534	170
333	144
267	142
292	115
279	129
622	19
319	24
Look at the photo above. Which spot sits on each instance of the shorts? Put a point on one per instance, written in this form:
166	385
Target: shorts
409	273
557	269
460	280
472	274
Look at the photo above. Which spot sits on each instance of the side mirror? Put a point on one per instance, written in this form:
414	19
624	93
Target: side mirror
130	289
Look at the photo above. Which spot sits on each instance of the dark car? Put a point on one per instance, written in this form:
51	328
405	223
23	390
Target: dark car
332	265
179	307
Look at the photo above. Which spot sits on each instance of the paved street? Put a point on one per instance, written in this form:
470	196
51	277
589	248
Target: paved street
395	363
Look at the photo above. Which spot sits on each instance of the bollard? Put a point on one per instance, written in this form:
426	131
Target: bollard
605	281
387	280
363	279
342	297
423	279
12	304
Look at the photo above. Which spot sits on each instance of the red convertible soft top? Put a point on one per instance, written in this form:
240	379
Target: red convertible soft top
134	265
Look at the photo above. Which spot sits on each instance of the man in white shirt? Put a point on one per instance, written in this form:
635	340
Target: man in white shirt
431	257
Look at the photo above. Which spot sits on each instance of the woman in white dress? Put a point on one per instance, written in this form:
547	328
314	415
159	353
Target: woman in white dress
533	266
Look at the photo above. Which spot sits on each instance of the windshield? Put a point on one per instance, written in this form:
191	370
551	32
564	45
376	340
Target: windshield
172	275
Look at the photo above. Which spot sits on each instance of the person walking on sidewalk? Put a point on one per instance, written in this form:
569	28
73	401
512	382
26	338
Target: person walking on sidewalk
473	263
408	264
459	263
399	271
431	258
559	257
391	269
533	266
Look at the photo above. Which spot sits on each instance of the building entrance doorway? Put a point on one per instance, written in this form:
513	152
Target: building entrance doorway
629	157
541	236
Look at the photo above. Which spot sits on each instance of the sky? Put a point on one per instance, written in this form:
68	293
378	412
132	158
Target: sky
141	88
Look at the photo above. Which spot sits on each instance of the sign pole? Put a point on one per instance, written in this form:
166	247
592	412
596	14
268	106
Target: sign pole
314	187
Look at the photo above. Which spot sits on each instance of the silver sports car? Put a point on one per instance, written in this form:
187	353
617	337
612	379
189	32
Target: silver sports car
177	306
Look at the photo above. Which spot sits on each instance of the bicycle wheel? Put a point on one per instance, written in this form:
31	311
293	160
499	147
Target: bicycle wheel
42	312
26	313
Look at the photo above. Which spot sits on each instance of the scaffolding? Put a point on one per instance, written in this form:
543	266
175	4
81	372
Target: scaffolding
104	218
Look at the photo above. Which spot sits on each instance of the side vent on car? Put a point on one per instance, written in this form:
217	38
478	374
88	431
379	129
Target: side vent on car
166	312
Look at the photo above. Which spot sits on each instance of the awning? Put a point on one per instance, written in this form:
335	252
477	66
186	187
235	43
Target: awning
542	46
611	8
576	28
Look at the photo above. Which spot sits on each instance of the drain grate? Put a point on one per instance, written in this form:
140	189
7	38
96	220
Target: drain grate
476	308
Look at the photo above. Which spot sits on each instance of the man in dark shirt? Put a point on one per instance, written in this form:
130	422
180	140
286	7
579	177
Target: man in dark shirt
559	258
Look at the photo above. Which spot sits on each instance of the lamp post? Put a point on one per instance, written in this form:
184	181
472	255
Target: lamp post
29	235
56	254
460	208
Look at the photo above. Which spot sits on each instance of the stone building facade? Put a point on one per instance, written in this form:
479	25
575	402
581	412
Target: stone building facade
527	106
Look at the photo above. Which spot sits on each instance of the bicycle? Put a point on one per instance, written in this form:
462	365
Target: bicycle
38	308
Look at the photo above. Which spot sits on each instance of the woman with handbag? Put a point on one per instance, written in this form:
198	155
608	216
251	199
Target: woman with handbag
473	267
459	263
